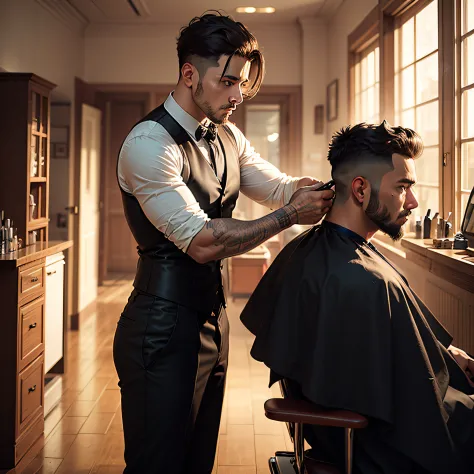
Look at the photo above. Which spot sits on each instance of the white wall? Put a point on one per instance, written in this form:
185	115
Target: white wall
310	54
147	54
33	40
59	172
314	72
347	18
282	47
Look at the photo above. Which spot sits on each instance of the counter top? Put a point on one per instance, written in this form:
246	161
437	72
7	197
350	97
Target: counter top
456	266
35	251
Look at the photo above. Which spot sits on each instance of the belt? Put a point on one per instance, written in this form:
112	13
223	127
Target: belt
198	287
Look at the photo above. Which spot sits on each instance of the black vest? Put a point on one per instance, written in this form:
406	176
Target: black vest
163	270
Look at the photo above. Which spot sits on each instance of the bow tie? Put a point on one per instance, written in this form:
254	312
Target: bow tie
209	134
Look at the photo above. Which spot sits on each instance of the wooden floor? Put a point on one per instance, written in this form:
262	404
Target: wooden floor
83	434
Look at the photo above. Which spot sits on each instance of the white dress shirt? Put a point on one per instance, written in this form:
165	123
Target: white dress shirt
150	165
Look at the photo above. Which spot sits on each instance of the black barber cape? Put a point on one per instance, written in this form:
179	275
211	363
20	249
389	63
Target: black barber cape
333	315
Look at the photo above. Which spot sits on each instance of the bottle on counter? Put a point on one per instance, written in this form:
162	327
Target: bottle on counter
427	225
418	228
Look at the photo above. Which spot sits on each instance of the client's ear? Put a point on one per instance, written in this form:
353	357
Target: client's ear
360	189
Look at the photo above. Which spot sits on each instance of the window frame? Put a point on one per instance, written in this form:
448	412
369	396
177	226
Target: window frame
393	13
399	20
459	89
380	24
365	35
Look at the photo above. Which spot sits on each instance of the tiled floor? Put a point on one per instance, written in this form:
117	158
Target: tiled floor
83	434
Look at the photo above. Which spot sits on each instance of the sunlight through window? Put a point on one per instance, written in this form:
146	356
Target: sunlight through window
417	96
366	85
466	161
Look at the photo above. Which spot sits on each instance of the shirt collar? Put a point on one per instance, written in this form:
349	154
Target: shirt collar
189	123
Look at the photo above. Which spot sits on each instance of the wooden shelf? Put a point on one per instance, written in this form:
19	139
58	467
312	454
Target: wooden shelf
455	266
39	134
37	223
27	98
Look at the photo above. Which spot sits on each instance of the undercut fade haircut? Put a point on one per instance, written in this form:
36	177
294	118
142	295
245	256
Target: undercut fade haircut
213	35
358	148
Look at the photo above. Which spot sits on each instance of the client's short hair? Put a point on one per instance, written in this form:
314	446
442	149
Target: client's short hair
355	150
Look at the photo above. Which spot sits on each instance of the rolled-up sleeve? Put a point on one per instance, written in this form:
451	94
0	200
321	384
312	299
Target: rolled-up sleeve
150	169
260	180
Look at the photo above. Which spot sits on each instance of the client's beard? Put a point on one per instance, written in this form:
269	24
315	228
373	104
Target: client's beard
379	215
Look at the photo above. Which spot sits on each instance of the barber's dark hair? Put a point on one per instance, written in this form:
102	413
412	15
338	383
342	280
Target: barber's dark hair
377	142
213	35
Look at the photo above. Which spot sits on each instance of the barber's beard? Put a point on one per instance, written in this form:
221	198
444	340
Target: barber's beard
380	216
206	107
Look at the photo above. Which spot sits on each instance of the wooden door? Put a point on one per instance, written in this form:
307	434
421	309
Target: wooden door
124	110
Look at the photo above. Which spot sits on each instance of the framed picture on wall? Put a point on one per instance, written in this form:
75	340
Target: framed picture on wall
59	150
59	142
319	119
332	100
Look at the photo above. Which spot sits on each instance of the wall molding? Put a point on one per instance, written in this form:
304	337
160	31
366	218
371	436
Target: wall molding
330	8
65	13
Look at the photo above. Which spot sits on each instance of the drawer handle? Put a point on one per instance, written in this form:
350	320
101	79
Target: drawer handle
51	273
34	279
32	326
32	389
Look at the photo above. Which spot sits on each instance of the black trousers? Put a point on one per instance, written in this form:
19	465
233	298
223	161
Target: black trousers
171	362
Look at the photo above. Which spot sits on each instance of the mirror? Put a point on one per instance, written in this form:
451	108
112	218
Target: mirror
467	227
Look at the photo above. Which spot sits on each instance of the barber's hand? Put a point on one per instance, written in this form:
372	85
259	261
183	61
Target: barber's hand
307	181
464	361
310	204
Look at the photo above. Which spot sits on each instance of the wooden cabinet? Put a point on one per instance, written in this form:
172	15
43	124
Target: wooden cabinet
31	331
30	396
24	195
24	153
22	354
247	270
26	296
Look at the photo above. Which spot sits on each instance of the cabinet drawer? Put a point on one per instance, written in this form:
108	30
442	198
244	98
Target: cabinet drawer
30	392
31	282
31	323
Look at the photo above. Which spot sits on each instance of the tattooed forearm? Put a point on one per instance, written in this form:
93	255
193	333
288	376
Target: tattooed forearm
235	237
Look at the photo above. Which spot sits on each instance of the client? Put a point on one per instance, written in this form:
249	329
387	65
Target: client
334	317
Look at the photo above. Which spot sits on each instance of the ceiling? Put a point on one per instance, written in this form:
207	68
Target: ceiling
181	11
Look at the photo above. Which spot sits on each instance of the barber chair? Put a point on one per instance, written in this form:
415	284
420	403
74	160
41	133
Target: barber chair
296	412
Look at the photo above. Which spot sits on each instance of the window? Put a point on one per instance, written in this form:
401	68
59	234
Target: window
421	71
366	85
417	95
364	70
465	104
263	124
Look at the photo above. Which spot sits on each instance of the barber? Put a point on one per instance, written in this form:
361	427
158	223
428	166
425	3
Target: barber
180	171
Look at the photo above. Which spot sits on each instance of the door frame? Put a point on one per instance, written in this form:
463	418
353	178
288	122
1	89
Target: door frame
84	93
289	99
